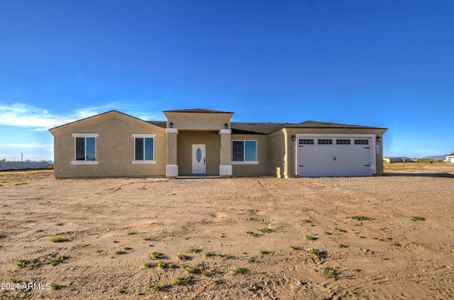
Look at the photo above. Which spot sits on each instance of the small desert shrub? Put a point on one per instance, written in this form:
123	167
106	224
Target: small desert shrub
396	243
160	287
361	218
55	261
210	254
133	232
239	270
149	265
265	252
195	250
128	248
341	230
320	254
307	221
149	238
311	238
184	280
123	290
22	263
157	255
55	286
330	273
184	257
418	218
58	239
328	233
343	246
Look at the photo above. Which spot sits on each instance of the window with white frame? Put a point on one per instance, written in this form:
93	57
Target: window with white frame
325	142
362	142
244	151
84	148
143	148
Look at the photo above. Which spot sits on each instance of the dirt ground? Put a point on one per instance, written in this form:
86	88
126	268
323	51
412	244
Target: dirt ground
389	237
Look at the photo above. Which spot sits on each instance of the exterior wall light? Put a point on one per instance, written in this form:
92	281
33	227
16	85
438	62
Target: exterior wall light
293	138
378	139
171	124
226	125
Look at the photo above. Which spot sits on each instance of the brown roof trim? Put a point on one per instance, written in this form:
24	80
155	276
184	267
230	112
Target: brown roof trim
100	114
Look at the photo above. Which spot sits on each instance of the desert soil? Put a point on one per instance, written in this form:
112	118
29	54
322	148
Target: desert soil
245	237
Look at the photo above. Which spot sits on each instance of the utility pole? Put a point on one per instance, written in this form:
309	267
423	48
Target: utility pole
21	156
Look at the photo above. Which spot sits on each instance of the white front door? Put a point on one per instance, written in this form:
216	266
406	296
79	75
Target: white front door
198	159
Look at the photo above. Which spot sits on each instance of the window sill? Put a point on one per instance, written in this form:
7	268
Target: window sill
84	162
138	162
245	162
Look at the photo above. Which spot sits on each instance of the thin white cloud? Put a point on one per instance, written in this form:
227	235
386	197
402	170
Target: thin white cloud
28	116
27	146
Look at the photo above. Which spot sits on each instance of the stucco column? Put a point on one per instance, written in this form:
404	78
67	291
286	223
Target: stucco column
171	152
225	167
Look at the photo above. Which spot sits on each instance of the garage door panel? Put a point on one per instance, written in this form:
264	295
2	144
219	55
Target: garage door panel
334	159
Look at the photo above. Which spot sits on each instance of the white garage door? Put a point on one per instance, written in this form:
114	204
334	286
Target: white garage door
335	156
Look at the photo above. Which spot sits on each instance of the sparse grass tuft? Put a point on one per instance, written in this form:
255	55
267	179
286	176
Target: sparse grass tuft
343	246
328	233
120	252
21	183
227	256
320	254
123	290
55	286
265	252
254	234
239	270
267	229
160	287
128	248
149	265
210	254
361	218
330	273
183	280
418	218
55	261
218	281
195	250
311	238
184	257
396	243
22	263
199	269
157	255
166	265
307	221
149	238
341	230
133	232
58	239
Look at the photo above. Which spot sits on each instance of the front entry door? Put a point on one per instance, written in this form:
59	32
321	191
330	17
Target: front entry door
199	165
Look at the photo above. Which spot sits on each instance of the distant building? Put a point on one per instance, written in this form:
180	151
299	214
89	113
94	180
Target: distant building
392	160
450	158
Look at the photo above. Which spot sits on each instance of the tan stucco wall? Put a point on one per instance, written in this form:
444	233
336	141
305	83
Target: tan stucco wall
198	121
263	167
290	157
114	148
185	141
277	153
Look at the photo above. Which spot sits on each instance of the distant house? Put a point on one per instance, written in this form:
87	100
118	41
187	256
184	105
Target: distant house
23	165
450	158
391	160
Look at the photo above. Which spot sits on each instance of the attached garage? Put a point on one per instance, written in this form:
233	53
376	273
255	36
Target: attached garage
335	155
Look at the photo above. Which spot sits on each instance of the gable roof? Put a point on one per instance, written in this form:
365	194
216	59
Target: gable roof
199	110
101	114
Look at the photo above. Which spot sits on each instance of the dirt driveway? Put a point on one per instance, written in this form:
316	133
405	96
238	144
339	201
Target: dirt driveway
376	238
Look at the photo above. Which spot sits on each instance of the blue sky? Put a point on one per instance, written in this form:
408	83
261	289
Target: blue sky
384	63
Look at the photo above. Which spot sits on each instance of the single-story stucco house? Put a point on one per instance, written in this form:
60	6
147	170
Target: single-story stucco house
450	158
206	142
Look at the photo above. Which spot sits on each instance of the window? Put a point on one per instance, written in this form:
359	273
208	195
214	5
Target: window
244	151
84	148
325	142
362	142
306	142
343	142
143	148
